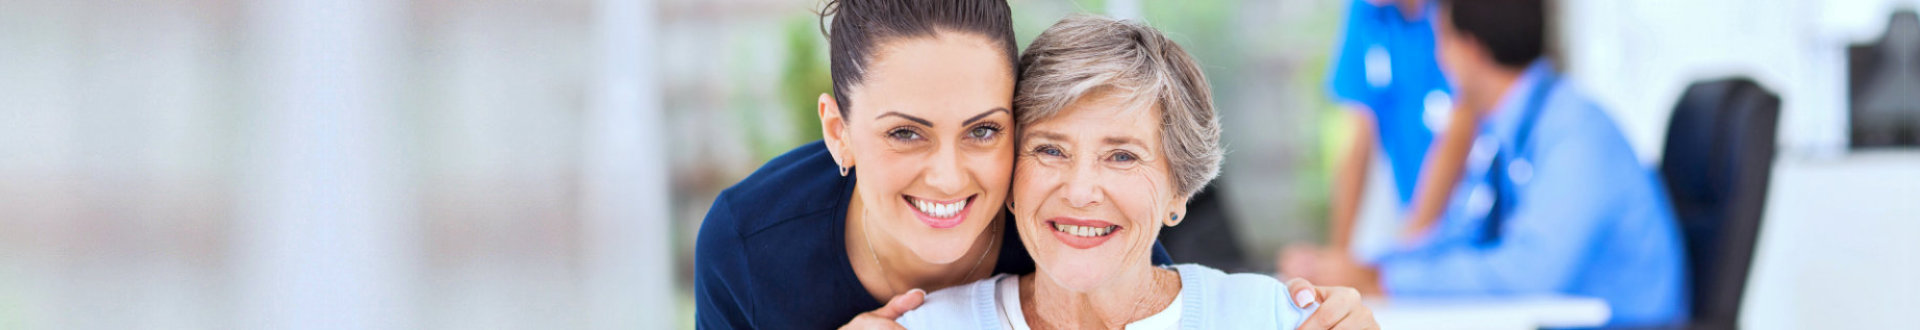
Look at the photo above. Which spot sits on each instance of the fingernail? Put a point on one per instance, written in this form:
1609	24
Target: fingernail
922	292
1304	298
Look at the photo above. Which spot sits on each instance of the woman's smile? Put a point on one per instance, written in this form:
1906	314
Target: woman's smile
941	214
1082	233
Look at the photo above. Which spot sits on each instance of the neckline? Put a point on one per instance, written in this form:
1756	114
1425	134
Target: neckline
1507	115
1007	294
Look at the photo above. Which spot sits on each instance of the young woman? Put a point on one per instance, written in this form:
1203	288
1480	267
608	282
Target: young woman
906	192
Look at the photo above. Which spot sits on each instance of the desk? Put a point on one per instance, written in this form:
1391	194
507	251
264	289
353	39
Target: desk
1530	312
1837	247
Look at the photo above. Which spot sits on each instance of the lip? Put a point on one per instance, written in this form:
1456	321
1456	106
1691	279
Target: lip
936	222
1078	242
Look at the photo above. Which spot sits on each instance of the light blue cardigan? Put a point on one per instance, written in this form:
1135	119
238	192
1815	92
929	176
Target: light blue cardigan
1210	300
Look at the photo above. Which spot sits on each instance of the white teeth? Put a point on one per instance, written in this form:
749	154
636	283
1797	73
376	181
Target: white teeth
938	210
1083	231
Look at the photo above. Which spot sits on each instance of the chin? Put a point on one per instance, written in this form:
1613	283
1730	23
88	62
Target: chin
940	250
1079	274
944	246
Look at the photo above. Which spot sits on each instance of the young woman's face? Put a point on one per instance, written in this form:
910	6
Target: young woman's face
1092	190
930	131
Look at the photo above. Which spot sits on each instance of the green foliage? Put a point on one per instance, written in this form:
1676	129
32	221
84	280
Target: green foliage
804	76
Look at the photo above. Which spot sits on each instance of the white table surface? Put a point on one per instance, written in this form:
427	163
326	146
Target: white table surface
1529	312
1837	247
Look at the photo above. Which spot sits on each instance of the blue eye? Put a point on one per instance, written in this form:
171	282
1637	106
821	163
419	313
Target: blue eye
1049	150
1124	157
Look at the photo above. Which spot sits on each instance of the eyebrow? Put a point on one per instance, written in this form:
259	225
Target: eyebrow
1122	140
1044	135
984	115
925	122
922	121
1111	140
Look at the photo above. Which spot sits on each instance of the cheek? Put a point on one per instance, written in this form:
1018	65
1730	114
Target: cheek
883	174
1029	182
994	169
1139	198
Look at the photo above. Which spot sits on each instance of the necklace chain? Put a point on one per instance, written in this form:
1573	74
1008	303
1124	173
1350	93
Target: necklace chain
866	236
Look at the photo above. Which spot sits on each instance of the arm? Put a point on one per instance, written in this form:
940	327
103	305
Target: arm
1347	82
1350	178
718	303
1441	171
1544	242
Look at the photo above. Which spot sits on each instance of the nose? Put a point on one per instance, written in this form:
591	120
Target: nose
1083	188
944	174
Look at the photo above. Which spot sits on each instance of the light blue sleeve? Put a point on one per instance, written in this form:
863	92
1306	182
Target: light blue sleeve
1544	241
1216	300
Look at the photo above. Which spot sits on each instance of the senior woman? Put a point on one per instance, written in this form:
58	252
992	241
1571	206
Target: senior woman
1116	132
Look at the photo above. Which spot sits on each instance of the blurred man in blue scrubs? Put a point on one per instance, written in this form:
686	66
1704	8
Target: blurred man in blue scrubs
1553	200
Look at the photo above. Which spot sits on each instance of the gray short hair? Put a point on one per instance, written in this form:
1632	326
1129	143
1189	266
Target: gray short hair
1083	54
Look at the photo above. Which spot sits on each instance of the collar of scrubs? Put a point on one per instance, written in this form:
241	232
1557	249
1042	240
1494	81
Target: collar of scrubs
1520	112
1505	121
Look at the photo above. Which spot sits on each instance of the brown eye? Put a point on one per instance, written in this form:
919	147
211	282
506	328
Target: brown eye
983	132
903	134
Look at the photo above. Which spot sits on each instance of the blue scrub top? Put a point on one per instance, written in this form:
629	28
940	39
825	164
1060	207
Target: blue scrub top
1586	218
1386	62
772	253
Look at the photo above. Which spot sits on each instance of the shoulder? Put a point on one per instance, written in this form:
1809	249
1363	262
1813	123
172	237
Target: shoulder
1360	13
1238	300
1235	288
734	268
1578	125
801	183
969	306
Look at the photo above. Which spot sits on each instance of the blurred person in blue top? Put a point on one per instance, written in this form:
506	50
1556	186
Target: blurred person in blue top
1554	200
907	191
1386	74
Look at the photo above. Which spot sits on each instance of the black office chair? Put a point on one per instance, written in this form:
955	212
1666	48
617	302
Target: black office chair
1883	110
1718	158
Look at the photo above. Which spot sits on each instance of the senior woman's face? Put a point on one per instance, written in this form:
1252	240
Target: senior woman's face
1091	189
930	133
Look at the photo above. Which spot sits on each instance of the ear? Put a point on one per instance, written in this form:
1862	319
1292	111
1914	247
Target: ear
833	129
1177	207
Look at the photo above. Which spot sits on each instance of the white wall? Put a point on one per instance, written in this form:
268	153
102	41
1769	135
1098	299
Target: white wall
1636	56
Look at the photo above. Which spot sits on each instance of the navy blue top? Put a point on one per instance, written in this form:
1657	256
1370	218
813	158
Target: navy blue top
772	250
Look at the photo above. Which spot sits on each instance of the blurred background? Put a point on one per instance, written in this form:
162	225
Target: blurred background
511	164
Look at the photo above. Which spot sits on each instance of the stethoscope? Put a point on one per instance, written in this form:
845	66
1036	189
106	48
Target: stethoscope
1505	175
